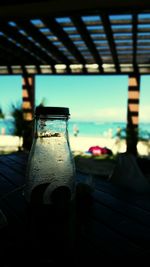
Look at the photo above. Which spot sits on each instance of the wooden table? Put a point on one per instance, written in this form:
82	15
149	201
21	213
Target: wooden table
113	226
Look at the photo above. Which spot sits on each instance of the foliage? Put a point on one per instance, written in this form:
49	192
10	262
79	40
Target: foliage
2	116
17	113
100	157
141	134
144	135
43	102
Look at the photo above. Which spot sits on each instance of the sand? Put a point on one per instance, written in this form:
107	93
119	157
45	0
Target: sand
83	143
10	143
80	144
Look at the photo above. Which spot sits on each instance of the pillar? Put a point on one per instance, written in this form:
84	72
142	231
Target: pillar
28	105
28	95
133	113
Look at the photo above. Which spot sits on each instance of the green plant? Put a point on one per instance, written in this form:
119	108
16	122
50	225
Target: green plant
17	113
2	116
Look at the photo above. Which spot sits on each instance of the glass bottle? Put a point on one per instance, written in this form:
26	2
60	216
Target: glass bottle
50	182
50	166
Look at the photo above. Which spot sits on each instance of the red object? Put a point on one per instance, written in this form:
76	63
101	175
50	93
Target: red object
97	150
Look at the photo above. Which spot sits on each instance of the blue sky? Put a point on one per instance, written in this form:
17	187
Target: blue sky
100	98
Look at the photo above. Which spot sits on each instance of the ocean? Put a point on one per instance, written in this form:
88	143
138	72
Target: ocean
105	129
7	126
87	128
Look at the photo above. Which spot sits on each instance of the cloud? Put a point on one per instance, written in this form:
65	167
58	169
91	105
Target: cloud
102	114
113	114
110	114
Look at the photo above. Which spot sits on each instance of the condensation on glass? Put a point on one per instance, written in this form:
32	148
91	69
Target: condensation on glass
50	175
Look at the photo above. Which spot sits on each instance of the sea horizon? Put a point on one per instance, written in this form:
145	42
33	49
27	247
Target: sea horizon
89	128
106	129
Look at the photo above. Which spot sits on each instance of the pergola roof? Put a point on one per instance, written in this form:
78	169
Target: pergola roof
72	37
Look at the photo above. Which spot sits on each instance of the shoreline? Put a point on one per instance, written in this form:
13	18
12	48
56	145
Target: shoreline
10	143
83	143
80	144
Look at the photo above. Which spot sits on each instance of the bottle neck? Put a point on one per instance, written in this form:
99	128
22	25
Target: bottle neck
54	126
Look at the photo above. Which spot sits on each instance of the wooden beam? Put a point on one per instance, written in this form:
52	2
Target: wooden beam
43	41
48	8
21	56
134	33
110	39
54	26
25	43
81	27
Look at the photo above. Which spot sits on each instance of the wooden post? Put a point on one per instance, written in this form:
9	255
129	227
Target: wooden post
133	113
28	106
28	97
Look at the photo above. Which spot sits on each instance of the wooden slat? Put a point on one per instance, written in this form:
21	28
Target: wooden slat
134	33
41	39
13	33
88	41
132	27
131	229
16	202
54	26
11	175
140	201
110	39
19	168
5	186
104	238
119	205
22	56
19	158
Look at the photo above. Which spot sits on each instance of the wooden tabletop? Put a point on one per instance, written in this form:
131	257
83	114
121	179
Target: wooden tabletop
113	226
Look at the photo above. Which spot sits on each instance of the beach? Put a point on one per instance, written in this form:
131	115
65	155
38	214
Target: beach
80	144
83	143
10	143
83	135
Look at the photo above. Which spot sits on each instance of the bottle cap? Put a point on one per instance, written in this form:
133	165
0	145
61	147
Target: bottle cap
52	111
